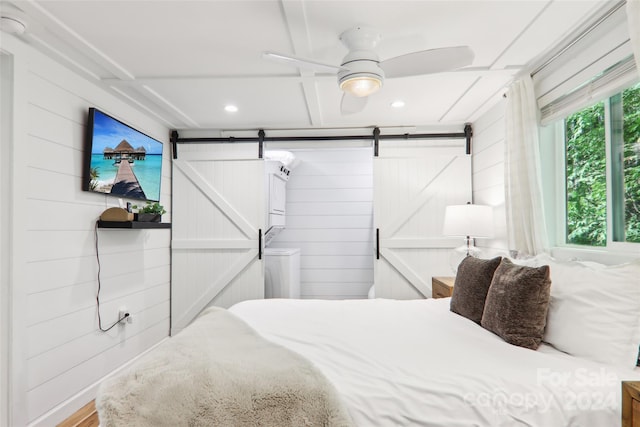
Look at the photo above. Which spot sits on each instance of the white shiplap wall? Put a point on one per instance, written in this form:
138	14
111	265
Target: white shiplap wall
58	353
330	218
488	174
6	100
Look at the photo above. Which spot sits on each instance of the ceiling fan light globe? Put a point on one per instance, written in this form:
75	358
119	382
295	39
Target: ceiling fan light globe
360	86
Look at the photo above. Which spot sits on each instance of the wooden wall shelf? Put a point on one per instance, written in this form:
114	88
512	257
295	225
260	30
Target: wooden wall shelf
133	224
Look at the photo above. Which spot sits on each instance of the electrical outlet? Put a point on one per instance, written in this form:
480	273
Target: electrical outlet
124	315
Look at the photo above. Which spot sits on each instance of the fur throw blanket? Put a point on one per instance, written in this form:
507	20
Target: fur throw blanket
219	372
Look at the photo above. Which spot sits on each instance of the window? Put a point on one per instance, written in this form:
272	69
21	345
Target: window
627	165
586	178
602	152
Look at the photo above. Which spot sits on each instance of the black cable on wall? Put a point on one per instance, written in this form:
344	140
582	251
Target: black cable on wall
95	233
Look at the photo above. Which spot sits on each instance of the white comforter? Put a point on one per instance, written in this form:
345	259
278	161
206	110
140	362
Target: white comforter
416	363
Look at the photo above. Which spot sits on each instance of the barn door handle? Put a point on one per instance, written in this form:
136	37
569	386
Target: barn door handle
260	243
377	243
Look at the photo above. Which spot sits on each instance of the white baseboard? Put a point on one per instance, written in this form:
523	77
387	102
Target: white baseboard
71	405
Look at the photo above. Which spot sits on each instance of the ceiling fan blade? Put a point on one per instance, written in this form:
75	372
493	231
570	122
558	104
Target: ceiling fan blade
428	61
301	63
352	104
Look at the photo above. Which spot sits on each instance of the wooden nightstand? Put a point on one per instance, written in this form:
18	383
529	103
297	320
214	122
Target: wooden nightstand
442	287
631	404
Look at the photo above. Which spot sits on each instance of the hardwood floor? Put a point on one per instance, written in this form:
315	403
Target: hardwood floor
87	416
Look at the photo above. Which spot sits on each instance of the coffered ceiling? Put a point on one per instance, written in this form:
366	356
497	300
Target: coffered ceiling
184	61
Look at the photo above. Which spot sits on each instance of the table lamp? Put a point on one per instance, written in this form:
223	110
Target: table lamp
468	221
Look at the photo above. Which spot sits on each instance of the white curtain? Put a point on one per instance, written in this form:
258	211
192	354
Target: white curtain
633	20
526	226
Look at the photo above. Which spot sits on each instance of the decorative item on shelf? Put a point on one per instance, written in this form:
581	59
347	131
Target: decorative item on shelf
151	212
468	221
116	215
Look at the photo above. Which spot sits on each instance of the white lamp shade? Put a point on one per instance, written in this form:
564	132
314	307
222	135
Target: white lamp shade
468	220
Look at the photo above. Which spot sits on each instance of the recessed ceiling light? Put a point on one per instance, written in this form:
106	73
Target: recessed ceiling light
397	104
12	25
230	108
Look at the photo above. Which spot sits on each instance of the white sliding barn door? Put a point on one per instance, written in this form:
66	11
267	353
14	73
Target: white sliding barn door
218	214
412	187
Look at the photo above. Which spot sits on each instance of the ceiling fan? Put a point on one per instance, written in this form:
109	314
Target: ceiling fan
361	73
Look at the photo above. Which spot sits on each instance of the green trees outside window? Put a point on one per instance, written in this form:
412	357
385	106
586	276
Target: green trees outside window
586	178
631	164
586	170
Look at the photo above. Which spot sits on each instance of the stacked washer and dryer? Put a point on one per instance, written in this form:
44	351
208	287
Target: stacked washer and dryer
281	265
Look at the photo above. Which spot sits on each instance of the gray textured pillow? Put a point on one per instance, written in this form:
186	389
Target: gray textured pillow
517	304
472	283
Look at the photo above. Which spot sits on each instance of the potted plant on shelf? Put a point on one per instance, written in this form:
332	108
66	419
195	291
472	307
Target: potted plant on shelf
151	212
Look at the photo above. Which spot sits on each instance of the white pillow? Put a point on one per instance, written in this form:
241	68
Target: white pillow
535	261
594	311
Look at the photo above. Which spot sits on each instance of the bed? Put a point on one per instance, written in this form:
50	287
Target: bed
415	362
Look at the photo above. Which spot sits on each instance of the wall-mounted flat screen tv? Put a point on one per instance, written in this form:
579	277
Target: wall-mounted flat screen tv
121	161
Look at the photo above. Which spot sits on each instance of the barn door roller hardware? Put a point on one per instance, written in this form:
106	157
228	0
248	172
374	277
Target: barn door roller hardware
376	141
468	133
260	143
375	136
174	143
